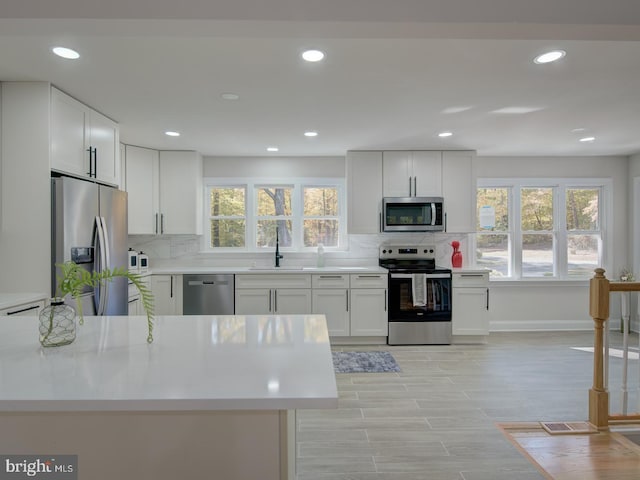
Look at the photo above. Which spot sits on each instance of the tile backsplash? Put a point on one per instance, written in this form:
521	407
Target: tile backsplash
362	250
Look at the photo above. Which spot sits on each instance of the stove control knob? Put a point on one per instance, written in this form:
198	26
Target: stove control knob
431	251
384	251
390	251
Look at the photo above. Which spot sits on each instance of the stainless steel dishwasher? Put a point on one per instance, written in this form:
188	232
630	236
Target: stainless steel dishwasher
207	295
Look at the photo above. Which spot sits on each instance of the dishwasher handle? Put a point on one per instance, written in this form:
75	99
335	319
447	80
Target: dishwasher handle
199	283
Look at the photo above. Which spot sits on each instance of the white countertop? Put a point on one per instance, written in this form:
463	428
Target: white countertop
261	362
186	269
8	300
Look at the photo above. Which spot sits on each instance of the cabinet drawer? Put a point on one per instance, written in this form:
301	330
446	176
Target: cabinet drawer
330	281
470	279
25	309
369	280
278	280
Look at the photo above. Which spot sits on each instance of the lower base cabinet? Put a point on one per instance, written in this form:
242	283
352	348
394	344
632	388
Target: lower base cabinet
167	294
358	309
470	305
284	294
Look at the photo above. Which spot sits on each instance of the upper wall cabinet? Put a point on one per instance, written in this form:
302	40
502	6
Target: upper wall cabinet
374	174
458	190
412	173
84	143
165	191
141	180
364	192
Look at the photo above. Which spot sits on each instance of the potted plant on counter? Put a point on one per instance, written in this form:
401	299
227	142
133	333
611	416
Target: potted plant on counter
57	321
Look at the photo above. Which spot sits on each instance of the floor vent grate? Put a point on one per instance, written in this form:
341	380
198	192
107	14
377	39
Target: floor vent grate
558	428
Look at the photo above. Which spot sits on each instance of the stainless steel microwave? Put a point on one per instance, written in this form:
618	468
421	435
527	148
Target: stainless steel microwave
413	214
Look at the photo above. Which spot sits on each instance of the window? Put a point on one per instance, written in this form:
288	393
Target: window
321	221
528	229
246	215
227	222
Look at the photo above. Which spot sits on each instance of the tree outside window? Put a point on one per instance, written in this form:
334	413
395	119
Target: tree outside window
274	213
493	238
320	216
227	222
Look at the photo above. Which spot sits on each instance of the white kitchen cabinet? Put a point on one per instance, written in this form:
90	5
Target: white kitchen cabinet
412	173
330	296
368	305
180	192
165	191
141	180
135	300
23	309
459	191
278	293
167	294
470	306
84	143
364	191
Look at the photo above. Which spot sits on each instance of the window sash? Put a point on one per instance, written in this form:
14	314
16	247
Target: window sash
560	233
297	218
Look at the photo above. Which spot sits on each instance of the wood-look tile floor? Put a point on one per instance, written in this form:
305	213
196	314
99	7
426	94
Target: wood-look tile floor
438	418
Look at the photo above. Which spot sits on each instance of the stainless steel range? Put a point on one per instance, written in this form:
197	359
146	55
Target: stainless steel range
419	295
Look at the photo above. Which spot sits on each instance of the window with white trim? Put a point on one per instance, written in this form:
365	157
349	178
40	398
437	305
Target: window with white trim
541	228
244	214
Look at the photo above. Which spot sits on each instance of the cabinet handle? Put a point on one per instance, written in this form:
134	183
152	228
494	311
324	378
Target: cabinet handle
171	289
275	301
162	223
410	187
369	276
471	275
487	299
385	300
330	276
415	186
95	162
445	221
90	172
156	223
347	291
22	310
270	294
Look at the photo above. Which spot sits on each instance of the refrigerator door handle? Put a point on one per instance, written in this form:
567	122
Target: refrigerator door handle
103	263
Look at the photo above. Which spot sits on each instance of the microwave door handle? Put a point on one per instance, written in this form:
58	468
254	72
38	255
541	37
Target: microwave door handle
433	213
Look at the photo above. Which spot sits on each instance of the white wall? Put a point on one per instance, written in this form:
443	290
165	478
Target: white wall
274	167
545	306
25	229
634	223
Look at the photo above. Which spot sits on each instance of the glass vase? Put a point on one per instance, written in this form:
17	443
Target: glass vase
57	324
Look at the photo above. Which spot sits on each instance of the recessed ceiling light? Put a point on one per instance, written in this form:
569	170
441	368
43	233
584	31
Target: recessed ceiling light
272	149
587	139
172	134
445	134
578	130
312	55
66	53
549	56
230	96
456	109
310	134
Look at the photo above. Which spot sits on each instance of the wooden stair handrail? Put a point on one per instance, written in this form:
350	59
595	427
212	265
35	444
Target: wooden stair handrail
600	289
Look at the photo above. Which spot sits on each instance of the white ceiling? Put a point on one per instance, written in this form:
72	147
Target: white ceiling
393	69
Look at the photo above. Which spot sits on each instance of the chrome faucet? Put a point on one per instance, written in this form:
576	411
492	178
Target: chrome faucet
278	256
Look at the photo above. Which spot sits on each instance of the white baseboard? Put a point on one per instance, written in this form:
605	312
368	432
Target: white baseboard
545	325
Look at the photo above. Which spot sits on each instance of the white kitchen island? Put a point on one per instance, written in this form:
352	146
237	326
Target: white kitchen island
211	397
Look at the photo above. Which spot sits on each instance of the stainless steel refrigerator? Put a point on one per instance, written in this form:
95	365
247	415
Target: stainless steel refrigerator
89	226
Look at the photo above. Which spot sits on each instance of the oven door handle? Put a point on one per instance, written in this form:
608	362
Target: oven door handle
427	275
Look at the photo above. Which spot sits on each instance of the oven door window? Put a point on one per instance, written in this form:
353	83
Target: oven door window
434	304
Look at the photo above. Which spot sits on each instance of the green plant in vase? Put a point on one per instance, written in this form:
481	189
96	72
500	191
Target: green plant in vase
73	279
